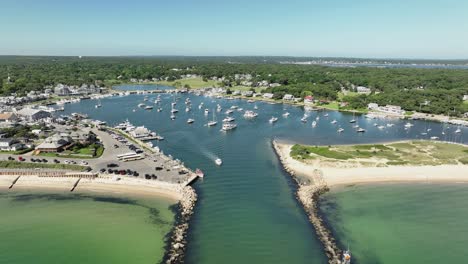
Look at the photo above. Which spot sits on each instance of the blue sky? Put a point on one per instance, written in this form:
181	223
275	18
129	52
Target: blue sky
345	28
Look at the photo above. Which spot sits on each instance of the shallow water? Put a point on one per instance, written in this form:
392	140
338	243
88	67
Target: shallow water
396	223
81	228
247	212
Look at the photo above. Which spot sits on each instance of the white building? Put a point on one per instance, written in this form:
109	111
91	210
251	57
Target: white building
268	95
465	97
363	90
140	132
373	106
288	97
392	109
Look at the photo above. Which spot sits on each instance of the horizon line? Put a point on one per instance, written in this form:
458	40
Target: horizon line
238	56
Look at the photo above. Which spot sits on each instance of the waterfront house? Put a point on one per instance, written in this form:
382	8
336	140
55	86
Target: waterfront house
62	90
288	97
392	109
268	95
363	90
247	93
372	106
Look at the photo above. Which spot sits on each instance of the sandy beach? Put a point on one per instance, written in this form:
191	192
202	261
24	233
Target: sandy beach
342	176
99	185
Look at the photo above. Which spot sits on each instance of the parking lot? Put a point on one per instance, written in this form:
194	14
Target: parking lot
151	166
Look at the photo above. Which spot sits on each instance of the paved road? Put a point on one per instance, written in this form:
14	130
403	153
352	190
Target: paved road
170	172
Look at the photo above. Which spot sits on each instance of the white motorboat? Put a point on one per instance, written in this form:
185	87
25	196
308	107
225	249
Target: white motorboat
229	111
273	119
228	126
458	131
218	162
250	114
228	119
314	124
304	119
408	125
141	105
340	130
190	121
286	114
148	107
173	117
187	109
381	127
334	121
360	130
207	111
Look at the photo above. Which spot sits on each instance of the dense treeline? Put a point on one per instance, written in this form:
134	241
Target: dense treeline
431	90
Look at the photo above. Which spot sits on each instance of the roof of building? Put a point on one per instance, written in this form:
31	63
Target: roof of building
29	111
6	116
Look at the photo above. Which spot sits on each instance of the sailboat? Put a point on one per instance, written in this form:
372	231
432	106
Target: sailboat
353	120
98	104
314	123
213	122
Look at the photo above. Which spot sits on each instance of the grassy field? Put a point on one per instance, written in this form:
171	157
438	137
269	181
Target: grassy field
82	153
194	83
27	165
402	153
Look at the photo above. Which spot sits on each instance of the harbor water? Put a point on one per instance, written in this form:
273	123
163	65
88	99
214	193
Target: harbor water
247	212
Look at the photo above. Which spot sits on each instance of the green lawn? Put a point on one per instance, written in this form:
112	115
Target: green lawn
82	153
411	153
332	105
194	83
27	165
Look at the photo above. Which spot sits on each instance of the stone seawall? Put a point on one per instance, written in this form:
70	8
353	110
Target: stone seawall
175	252
308	195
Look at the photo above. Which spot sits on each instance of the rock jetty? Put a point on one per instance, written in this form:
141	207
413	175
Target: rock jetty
178	238
308	195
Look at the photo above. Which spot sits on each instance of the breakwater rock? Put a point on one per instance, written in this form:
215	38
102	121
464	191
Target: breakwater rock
308	195
178	242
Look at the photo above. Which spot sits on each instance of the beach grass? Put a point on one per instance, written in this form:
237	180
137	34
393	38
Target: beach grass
401	153
27	165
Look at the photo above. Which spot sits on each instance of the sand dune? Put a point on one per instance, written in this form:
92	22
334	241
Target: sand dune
339	176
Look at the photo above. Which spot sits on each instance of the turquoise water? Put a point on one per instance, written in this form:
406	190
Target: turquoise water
415	223
81	228
247	212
